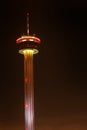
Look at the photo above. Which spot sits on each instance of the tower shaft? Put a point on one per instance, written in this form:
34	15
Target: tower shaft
29	90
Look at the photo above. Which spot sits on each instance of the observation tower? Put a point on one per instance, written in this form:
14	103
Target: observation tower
28	46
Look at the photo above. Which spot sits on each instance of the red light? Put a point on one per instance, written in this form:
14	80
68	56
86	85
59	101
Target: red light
26	105
26	80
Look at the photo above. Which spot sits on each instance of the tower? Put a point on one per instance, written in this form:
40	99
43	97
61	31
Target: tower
28	46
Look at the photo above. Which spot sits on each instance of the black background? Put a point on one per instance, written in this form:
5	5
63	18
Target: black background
60	67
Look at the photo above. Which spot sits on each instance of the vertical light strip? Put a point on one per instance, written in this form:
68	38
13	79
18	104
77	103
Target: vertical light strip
29	90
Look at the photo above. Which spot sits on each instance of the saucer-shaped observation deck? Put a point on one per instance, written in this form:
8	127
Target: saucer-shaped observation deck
28	42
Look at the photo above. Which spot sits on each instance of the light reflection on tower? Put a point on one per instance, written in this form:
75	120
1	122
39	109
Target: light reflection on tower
28	45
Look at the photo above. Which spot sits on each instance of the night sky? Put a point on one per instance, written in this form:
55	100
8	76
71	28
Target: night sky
60	67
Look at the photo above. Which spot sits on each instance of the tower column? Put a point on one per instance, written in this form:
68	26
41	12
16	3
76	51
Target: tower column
29	90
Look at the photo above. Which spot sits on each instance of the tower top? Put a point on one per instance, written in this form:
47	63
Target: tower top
28	42
28	24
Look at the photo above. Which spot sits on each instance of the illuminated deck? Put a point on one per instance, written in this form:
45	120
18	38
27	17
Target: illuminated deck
28	43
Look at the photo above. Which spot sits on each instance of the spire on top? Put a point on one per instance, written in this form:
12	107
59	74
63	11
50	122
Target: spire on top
28	24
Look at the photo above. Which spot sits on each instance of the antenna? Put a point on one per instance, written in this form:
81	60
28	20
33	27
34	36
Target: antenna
28	24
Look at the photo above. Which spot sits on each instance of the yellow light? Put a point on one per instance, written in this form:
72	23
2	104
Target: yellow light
31	40
24	40
27	51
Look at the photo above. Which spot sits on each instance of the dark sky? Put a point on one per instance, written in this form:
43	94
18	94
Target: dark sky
60	67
